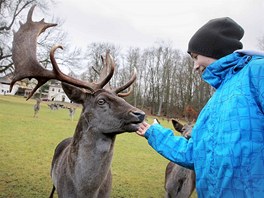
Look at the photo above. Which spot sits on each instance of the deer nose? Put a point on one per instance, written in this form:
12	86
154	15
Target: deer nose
139	115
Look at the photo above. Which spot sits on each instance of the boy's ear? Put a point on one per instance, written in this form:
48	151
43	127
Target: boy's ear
75	94
177	126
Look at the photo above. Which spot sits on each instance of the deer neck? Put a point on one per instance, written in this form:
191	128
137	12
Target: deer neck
90	144
91	155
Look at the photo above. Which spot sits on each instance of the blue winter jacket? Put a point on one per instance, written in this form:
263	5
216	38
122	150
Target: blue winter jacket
227	145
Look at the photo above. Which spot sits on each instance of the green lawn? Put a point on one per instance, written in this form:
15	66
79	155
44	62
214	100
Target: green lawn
27	145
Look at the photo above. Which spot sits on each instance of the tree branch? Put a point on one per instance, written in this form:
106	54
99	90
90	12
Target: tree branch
16	13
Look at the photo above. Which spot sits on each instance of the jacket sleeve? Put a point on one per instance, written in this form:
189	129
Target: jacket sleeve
175	148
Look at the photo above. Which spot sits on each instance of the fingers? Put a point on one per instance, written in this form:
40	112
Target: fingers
143	127
144	124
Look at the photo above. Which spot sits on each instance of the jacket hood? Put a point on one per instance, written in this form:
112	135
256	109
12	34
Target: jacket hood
218	71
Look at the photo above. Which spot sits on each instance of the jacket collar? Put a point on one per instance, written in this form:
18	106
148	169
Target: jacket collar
216	72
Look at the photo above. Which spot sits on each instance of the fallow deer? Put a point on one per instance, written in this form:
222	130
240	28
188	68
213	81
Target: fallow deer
37	107
71	112
81	164
179	181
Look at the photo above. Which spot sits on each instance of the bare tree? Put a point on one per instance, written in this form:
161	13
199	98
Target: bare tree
143	80
152	80
168	64
133	61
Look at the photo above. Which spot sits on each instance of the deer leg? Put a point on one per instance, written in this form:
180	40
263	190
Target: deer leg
52	192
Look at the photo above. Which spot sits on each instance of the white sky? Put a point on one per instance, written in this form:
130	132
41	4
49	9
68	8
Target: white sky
140	23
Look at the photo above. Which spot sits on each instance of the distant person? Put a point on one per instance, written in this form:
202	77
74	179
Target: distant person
226	149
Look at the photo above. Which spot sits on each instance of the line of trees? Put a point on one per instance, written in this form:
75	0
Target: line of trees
166	83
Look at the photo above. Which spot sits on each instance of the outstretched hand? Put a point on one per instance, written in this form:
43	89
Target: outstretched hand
143	127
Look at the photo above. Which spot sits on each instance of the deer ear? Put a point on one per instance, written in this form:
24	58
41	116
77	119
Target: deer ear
177	126
75	94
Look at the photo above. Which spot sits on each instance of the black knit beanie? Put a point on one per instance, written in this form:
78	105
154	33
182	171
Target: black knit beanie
217	38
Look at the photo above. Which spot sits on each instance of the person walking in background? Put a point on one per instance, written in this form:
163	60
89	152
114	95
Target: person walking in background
227	144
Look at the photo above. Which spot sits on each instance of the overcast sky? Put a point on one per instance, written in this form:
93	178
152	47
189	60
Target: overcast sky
141	23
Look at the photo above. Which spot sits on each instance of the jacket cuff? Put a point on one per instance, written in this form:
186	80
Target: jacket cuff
150	129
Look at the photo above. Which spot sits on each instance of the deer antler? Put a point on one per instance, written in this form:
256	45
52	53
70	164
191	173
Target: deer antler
106	62
122	88
25	59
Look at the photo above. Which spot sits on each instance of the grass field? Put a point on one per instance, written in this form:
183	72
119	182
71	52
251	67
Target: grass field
27	145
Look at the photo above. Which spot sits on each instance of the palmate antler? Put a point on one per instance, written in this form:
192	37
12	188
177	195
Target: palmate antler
25	59
27	65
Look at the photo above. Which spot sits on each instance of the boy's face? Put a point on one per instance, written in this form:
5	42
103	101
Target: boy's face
201	62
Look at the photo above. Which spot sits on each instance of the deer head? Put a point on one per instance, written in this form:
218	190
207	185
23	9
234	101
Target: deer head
100	94
185	130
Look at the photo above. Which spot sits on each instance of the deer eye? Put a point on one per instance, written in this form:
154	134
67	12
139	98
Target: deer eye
101	101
